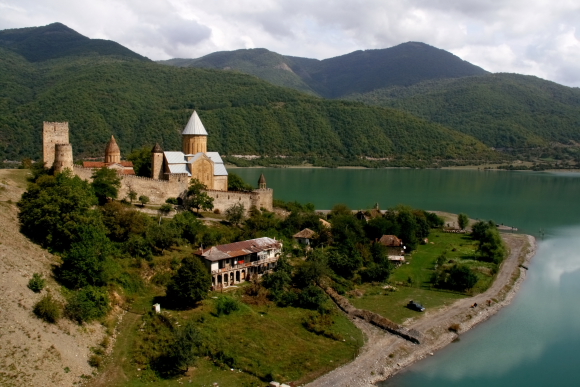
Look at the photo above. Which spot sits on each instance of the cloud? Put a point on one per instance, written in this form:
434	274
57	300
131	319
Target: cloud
536	37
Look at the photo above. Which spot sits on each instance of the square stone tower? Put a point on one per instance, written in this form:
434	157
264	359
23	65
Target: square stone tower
53	133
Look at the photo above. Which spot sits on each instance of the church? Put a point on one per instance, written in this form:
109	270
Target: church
193	160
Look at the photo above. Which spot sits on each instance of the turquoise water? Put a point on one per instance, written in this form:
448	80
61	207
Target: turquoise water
533	342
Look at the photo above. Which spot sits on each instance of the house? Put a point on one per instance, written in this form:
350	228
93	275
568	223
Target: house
236	262
395	248
305	236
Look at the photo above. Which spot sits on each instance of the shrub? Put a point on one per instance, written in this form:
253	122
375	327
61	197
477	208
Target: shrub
88	304
171	201
95	361
48	309
36	283
226	305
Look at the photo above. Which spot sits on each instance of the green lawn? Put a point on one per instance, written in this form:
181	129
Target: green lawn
265	342
459	248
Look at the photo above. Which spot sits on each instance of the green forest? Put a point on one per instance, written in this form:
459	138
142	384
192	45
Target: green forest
523	115
142	103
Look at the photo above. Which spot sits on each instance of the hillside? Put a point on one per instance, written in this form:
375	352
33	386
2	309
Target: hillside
142	102
357	72
56	40
264	64
522	114
32	351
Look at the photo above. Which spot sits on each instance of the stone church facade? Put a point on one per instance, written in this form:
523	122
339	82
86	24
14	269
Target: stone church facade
171	171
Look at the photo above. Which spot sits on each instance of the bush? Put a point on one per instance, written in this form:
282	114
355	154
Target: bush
95	361
226	305
48	309
171	201
36	283
88	304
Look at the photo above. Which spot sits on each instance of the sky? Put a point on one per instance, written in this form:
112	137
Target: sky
533	37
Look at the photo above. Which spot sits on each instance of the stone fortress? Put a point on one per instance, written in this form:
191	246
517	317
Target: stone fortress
171	171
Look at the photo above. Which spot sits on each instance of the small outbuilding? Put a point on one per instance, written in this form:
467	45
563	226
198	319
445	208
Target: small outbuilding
395	248
305	236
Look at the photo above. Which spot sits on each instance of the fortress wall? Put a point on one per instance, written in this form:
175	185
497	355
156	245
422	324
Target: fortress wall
265	198
159	190
222	200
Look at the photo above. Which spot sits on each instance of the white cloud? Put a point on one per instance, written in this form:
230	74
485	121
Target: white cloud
526	36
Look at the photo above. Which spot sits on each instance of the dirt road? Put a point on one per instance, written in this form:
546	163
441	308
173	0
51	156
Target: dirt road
384	354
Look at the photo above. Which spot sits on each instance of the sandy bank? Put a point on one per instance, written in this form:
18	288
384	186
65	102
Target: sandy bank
384	354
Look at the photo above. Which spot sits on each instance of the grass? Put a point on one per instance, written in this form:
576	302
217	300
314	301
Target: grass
260	342
458	248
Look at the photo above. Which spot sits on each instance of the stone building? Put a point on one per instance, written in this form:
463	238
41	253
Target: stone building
171	171
193	160
112	160
237	262
56	149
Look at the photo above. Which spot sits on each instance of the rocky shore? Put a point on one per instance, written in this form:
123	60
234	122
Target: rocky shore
385	354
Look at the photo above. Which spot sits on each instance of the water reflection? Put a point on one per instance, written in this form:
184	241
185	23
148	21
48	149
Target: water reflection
532	337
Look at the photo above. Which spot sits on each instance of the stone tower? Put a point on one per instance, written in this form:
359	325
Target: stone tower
157	162
194	136
63	157
262	182
112	151
53	133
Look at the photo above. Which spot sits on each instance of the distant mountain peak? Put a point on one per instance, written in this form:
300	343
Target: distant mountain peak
57	40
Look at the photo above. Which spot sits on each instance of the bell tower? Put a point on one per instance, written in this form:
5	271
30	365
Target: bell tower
194	136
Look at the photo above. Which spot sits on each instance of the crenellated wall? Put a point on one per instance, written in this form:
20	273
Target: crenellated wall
160	190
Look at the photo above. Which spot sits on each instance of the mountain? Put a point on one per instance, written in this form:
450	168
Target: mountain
357	72
264	64
517	113
56	40
142	102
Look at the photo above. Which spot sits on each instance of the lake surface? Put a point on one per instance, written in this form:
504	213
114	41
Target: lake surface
533	342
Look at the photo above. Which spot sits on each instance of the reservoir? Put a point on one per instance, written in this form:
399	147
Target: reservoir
534	341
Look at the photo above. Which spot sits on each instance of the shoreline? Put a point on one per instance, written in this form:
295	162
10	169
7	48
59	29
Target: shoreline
384	355
482	168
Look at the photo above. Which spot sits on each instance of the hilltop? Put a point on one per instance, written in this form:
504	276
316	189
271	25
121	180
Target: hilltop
142	102
357	72
37	44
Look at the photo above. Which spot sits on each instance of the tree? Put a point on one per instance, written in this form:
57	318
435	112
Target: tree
141	159
236	183
132	194
165	209
197	198
235	214
143	200
191	283
462	221
87	260
184	349
53	208
106	183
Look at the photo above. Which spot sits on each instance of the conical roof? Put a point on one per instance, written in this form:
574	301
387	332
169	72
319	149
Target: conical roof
112	146
194	126
262	179
157	148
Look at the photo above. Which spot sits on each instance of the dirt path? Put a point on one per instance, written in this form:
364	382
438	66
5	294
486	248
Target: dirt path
384	354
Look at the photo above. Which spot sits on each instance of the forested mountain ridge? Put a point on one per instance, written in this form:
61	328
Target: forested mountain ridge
357	72
262	63
56	40
142	102
517	113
